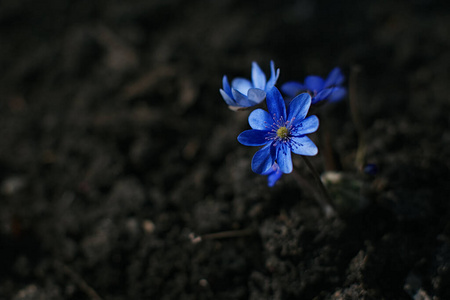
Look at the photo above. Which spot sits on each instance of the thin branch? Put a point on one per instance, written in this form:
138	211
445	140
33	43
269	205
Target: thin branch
222	235
82	284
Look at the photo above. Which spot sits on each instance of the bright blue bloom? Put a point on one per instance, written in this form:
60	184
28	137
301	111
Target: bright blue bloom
280	132
273	174
245	93
320	89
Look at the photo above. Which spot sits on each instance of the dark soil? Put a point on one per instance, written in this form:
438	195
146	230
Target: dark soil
117	150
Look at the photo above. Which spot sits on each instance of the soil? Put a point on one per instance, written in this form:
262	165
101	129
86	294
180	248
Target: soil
121	176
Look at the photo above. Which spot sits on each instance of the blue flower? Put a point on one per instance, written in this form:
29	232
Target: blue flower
370	169
280	132
245	93
273	174
320	89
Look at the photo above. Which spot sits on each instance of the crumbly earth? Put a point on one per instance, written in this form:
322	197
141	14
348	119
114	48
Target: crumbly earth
117	153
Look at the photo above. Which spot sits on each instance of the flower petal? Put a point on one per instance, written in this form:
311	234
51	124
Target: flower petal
242	85
258	77
306	126
275	104
303	145
334	78
292	88
271	170
314	83
322	95
273	175
256	95
263	160
241	99
273	178
284	159
253	137
299	106
260	119
338	94
226	85
227	98
273	76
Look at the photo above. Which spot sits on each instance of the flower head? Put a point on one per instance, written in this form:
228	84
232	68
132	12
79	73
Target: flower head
273	174
245	93
320	89
280	132
370	169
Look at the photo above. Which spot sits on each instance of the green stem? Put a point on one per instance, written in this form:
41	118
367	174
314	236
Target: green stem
356	116
324	200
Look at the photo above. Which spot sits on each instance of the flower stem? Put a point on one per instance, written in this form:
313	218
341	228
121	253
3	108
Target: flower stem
356	116
324	199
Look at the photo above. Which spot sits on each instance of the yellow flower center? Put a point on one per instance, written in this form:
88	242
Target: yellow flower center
282	132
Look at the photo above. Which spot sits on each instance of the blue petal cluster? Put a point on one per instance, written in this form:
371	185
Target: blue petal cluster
320	89
245	93
280	131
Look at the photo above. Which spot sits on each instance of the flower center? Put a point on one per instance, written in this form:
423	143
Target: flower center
282	132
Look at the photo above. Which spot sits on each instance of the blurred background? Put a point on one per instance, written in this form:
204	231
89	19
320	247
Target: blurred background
116	149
